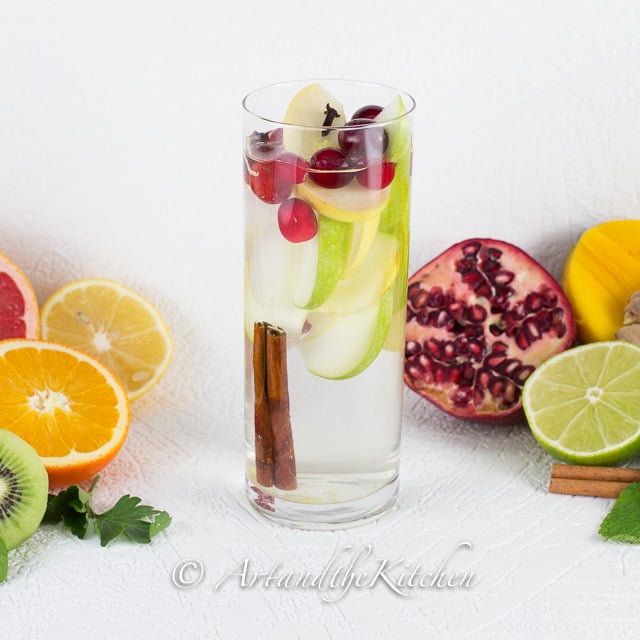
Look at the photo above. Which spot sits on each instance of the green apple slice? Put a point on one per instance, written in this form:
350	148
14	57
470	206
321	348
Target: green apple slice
307	109
398	129
351	203
349	344
370	281
334	242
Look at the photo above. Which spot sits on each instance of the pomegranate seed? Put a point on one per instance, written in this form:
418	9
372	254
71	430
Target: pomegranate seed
412	348
419	299
501	276
297	220
471	248
533	302
477	313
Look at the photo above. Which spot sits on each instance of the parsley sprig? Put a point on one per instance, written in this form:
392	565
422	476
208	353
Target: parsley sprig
74	508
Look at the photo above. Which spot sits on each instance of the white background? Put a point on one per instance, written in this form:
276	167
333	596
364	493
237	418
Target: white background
120	158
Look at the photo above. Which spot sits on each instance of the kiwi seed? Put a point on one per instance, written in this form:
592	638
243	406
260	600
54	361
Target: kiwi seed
24	485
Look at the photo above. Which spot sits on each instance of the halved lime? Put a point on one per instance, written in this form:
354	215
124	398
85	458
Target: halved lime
583	405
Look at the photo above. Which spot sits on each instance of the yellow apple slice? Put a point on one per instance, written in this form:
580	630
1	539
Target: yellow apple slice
350	343
362	237
351	203
307	111
368	283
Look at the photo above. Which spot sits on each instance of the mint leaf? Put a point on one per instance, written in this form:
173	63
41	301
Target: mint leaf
72	507
128	517
4	561
623	521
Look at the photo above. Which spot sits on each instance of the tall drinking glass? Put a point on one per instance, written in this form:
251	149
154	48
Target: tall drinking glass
327	168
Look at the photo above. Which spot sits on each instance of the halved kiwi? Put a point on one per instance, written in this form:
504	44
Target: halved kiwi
24	485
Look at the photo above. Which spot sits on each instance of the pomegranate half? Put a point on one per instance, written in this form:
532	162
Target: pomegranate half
480	318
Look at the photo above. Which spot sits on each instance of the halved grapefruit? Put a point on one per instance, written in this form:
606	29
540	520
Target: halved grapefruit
19	314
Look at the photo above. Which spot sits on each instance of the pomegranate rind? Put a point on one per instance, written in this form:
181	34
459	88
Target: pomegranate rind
19	310
481	316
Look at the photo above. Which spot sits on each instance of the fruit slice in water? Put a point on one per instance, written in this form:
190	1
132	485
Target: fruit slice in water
334	241
113	324
19	314
600	275
280	277
398	130
583	405
307	109
480	317
369	282
347	345
23	489
68	406
352	203
362	236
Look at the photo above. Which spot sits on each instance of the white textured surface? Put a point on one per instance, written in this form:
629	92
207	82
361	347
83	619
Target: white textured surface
119	157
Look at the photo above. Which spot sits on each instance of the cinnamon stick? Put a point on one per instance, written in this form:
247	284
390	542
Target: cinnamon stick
262	418
284	473
602	482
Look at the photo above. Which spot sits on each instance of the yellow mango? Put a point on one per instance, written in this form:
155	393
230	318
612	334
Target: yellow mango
600	275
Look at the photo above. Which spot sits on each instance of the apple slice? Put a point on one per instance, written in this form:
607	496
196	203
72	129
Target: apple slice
349	343
397	129
351	203
333	242
370	281
362	237
279	279
307	109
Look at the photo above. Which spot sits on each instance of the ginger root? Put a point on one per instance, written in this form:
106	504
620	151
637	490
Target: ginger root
630	329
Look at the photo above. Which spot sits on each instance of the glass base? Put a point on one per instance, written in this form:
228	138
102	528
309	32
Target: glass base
324	516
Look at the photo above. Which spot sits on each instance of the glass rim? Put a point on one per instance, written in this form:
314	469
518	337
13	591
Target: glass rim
409	109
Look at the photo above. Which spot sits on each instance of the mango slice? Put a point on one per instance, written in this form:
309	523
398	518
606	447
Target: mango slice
600	275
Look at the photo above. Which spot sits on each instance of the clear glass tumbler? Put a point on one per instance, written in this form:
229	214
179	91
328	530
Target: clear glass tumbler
327	168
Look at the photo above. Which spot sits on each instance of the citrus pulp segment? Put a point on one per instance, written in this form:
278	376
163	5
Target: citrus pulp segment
583	405
68	406
19	314
113	324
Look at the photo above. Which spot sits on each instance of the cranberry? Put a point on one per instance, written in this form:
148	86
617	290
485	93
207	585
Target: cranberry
291	168
330	168
266	185
363	139
378	175
297	220
369	111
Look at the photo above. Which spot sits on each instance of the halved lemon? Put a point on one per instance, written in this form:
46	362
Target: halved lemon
68	406
113	324
583	405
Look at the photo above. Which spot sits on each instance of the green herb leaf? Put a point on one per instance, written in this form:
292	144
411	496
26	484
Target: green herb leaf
623	521
72	507
4	561
136	521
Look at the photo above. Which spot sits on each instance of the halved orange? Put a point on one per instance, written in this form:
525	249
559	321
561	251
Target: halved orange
68	406
19	315
113	324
